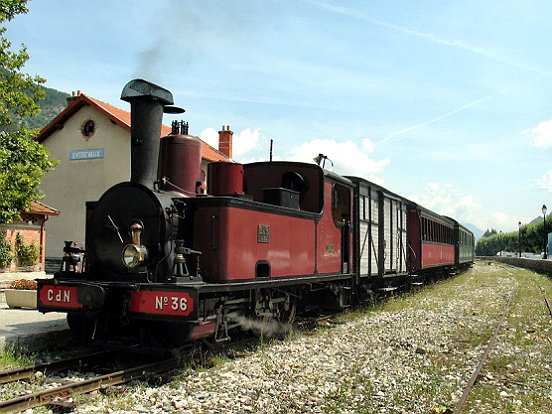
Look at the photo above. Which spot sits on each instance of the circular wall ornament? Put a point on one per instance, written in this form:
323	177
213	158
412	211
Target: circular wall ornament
88	128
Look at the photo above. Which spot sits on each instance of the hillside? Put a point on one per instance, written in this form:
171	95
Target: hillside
54	102
477	232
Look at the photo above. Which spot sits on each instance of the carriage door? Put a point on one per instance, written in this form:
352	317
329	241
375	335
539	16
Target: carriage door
341	211
394	238
400	237
388	235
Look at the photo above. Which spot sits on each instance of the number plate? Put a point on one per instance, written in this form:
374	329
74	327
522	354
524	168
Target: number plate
59	296
162	303
263	233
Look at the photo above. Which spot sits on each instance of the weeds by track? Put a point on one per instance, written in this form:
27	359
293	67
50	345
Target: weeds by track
107	367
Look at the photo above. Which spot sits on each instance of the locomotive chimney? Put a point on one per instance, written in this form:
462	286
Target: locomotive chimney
147	104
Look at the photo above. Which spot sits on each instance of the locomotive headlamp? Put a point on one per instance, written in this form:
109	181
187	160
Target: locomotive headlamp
135	254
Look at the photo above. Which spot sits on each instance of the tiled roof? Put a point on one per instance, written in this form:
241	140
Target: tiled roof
119	117
41	208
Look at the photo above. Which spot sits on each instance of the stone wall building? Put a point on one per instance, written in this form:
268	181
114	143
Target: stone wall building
32	230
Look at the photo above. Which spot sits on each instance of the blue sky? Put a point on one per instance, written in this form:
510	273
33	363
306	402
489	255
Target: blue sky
447	103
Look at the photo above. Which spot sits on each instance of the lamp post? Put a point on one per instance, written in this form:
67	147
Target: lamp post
545	254
519	237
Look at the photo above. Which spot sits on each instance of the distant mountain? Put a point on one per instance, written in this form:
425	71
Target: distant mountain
537	220
477	232
54	102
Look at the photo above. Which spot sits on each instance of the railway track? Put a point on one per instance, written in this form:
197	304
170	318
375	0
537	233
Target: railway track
488	350
58	390
492	341
58	395
26	373
542	292
547	302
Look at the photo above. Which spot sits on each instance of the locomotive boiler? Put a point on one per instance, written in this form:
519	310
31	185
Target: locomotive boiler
165	263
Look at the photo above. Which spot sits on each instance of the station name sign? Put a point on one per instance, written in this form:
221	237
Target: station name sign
88	154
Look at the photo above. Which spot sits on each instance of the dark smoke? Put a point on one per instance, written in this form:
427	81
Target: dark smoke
183	31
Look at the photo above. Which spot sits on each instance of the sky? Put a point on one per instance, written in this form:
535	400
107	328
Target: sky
446	103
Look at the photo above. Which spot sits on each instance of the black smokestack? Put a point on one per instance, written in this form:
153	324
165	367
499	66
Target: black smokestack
147	104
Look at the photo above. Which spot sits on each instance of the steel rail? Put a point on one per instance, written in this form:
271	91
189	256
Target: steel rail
540	288
545	300
17	374
85	386
488	350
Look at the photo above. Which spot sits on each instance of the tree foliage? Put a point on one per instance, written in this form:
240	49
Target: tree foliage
529	238
489	232
5	251
53	103
22	161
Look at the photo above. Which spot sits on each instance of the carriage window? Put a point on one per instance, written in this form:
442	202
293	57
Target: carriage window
424	229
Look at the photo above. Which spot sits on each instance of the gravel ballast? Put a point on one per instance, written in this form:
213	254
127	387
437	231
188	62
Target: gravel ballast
411	354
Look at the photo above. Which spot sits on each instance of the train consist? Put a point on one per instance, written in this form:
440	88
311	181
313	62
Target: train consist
165	264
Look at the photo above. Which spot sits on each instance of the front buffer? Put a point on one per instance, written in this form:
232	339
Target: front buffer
166	314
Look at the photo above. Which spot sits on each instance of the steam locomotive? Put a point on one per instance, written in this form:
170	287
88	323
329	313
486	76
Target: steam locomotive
165	264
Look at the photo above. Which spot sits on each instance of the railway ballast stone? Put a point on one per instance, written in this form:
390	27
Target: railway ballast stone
381	361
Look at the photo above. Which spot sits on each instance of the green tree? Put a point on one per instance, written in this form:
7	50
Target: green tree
489	233
5	251
23	161
529	238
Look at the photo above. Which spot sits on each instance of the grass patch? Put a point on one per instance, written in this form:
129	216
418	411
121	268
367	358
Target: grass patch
12	359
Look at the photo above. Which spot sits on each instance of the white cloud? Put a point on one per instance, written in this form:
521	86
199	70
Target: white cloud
367	144
210	136
444	199
503	221
347	157
242	142
543	135
545	182
245	141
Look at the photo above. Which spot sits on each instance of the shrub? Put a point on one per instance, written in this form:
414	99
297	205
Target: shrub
23	284
26	254
5	251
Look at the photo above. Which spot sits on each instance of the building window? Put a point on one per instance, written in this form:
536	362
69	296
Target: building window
88	128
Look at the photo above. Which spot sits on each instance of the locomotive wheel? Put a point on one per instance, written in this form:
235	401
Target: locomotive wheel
288	312
276	311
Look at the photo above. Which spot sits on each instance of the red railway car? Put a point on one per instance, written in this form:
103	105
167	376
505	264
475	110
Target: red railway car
431	239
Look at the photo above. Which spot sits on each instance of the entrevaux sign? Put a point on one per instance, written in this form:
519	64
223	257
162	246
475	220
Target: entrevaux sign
88	154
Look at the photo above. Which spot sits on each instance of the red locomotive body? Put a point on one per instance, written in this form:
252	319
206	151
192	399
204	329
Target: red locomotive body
262	237
273	230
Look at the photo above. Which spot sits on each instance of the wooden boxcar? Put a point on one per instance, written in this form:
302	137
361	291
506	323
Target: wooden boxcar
380	234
